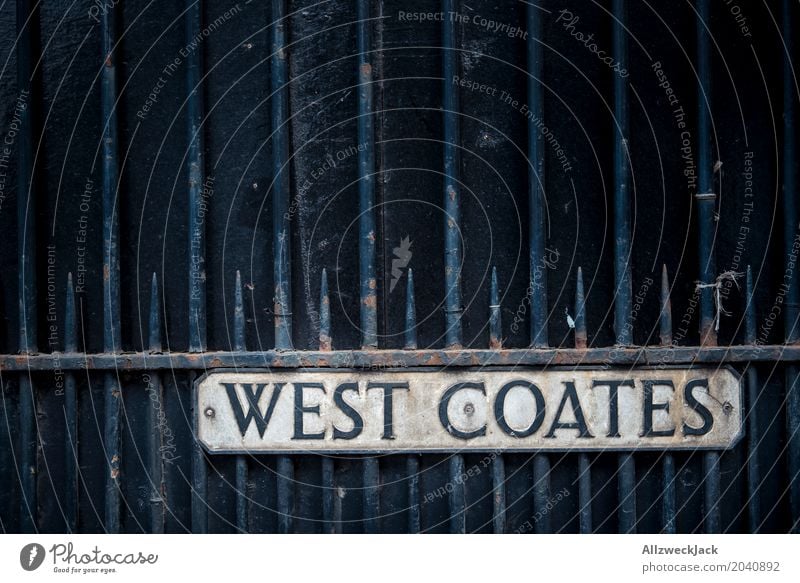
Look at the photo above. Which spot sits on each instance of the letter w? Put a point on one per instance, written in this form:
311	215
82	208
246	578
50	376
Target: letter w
253	412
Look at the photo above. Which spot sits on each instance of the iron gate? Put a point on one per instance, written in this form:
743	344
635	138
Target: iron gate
384	184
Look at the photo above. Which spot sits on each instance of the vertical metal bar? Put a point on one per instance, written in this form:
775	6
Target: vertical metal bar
452	173
366	181
371	489
281	238
537	236
285	492
26	249
537	287
753	428
71	468
330	524
790	214
325	341
411	314
156	417
706	204
282	243
584	463
280	160
111	292
457	498
498	494
367	237
495	321
412	461
790	231
668	493
197	275
498	463
622	251
240	344
412	469
706	196
452	233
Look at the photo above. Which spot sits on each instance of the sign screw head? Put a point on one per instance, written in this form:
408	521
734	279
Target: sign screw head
209	412
727	408
469	409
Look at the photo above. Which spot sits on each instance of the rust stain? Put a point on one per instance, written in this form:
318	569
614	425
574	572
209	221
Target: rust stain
366	69
109	62
371	301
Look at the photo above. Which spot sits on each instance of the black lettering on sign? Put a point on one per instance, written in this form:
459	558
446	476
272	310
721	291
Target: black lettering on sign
300	408
571	395
702	410
388	404
347	409
500	409
650	407
253	412
444	417
613	402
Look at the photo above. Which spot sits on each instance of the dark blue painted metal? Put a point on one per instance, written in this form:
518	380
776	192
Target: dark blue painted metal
282	239
412	461
790	233
26	253
367	237
366	181
668	494
706	205
623	304
498	463
239	343
325	340
155	421
197	294
371	474
281	234
452	173
71	463
584	462
412	470
706	196
753	429
537	287
330	522
411	314
457	499
495	318
111	292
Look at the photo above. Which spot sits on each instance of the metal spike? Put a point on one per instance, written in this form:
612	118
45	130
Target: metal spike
325	341
154	341
411	314
665	318
495	322
239	340
749	311
581	337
